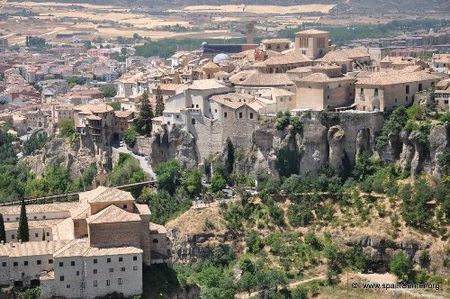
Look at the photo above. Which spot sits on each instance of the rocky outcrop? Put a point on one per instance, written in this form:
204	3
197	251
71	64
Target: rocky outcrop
332	139
177	144
438	140
74	156
381	249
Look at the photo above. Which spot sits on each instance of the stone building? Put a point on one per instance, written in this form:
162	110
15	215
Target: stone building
441	63
254	83
326	88
77	256
441	95
288	61
279	44
312	43
386	90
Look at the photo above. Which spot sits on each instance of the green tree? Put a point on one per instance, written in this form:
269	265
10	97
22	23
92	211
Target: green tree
130	136
218	182
159	108
168	174
254	242
2	229
191	181
23	232
401	266
164	206
109	91
143	122
67	128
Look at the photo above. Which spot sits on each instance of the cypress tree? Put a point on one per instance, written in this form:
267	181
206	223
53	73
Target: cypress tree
23	232
143	122
2	229
159	102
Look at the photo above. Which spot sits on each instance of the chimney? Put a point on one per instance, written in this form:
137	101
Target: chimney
250	29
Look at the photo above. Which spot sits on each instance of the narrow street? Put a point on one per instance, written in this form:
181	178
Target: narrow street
142	161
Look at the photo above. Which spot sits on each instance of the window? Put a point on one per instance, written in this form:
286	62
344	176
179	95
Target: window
108	260
3	264
111	270
135	258
420	87
15	264
240	114
25	263
120	259
35	217
61	264
407	89
48	234
94	271
95	261
395	100
122	269
95	283
36	235
406	99
108	282
193	121
61	278
50	261
361	91
155	241
135	268
78	273
13	237
38	262
251	115
68	286
375	92
225	114
215	110
72	263
125	206
120	281
196	106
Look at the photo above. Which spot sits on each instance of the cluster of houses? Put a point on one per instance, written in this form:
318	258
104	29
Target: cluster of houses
215	92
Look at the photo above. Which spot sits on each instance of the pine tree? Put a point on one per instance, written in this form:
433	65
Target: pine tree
23	233
143	122
159	102
2	229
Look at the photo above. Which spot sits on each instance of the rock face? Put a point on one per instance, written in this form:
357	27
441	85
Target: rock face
75	157
177	144
381	249
332	139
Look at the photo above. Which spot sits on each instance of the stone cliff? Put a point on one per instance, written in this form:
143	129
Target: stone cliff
75	156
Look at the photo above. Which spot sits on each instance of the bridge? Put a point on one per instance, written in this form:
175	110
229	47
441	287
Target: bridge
69	196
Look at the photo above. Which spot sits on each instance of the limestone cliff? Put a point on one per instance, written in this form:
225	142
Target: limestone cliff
75	156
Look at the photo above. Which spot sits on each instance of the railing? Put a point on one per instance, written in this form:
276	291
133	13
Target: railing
68	196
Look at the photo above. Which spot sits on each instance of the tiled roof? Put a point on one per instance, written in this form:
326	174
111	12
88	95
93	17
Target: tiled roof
206	84
105	194
39	208
291	57
390	78
323	78
113	214
233	100
160	229
262	79
31	248
345	54
210	66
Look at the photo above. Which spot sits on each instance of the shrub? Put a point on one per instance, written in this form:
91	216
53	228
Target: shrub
401	266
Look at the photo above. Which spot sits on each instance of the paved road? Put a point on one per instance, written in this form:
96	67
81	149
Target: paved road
144	163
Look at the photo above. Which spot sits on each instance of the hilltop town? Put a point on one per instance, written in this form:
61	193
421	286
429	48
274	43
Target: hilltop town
288	163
